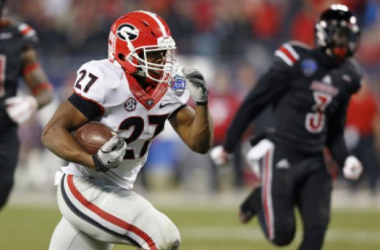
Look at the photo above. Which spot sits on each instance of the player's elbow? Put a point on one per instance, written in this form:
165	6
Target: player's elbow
201	150
46	136
44	96
201	147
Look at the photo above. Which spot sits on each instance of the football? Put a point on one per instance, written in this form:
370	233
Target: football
93	135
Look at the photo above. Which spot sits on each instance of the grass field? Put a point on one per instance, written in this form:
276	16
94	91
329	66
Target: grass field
202	228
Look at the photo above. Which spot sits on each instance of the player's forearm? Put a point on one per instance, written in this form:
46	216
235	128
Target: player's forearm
338	149
44	97
61	143
201	131
270	87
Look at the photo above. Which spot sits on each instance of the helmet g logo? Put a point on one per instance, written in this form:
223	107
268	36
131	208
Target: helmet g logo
127	30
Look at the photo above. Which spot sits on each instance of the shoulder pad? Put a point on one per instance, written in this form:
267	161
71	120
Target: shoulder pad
113	72
26	30
288	54
297	45
357	69
356	72
28	34
90	82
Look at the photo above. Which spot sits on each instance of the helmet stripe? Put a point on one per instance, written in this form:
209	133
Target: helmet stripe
158	21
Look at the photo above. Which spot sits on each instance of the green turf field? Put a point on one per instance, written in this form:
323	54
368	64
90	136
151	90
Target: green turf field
29	228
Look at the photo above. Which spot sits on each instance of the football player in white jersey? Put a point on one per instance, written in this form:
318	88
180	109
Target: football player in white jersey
134	92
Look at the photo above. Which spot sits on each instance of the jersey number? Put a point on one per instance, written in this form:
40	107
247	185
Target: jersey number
316	121
137	124
92	80
3	61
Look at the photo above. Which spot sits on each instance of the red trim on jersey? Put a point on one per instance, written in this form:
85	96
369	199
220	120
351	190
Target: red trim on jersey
107	216
143	97
288	54
26	30
41	87
90	100
29	68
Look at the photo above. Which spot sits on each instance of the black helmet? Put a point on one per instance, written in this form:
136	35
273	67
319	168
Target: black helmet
337	32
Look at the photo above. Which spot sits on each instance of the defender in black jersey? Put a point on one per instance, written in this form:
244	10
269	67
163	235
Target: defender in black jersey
309	90
18	58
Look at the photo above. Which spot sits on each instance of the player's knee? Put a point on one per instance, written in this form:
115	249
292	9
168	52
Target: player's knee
6	184
170	238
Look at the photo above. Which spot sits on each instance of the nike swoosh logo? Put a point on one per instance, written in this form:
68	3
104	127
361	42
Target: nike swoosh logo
165	104
112	161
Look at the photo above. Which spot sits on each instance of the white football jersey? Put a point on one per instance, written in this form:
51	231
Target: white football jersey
134	114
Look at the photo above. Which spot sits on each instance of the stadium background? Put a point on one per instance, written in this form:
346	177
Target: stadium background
232	42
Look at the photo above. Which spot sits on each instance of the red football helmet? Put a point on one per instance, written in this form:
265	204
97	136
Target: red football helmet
137	34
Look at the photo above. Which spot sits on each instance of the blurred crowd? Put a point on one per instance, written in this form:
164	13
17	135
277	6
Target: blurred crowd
231	41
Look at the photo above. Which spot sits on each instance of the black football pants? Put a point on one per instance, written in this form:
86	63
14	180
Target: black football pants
289	180
9	150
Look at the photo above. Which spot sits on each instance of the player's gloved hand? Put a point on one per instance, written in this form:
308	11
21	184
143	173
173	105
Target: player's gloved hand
196	85
110	155
21	108
352	168
219	156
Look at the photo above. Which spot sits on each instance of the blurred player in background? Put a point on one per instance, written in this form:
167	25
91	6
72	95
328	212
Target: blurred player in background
134	92
363	116
309	90
18	58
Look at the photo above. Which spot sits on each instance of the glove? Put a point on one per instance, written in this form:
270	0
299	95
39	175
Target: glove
21	108
110	155
219	156
352	168
196	85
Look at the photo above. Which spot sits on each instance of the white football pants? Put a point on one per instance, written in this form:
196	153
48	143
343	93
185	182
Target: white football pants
97	214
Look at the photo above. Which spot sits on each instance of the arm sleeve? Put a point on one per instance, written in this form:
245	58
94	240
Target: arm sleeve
89	91
29	36
88	108
335	131
271	86
335	136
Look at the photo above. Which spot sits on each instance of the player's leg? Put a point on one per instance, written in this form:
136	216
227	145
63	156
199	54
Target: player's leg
115	215
274	198
256	159
277	216
251	205
314	205
67	237
9	150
